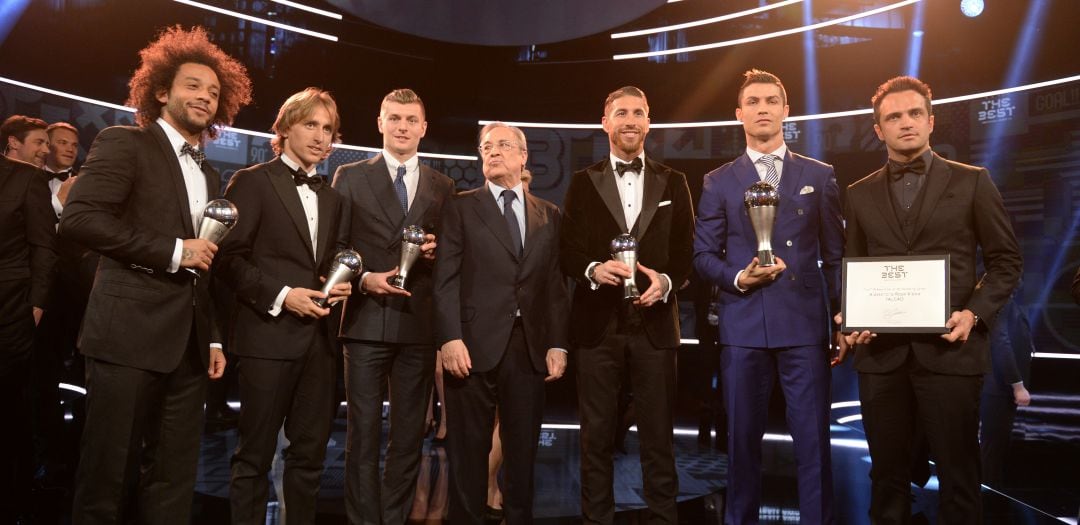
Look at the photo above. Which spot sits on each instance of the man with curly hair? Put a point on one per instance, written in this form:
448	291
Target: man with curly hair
148	330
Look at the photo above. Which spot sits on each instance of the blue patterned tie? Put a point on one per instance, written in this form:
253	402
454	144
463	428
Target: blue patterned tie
511	218
771	175
402	192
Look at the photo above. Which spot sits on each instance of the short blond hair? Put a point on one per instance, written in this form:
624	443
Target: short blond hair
404	96
299	107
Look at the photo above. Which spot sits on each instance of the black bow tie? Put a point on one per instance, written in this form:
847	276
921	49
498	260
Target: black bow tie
62	175
313	181
195	154
898	169
621	167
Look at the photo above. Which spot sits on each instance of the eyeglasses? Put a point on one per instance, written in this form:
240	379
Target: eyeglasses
503	145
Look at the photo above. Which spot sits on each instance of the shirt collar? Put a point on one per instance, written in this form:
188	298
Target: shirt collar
293	165
496	191
614	159
391	161
176	140
780	153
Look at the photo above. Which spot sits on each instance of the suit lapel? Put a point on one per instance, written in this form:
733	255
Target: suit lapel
747	175
879	192
655	179
488	212
383	189
326	218
534	220
936	181
282	181
790	179
177	177
604	180
423	198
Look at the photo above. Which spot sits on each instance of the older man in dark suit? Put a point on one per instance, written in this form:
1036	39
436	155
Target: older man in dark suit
148	327
388	331
920	203
283	244
501	318
627	193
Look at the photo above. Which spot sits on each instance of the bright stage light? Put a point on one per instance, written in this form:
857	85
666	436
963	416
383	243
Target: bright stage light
972	8
258	20
705	21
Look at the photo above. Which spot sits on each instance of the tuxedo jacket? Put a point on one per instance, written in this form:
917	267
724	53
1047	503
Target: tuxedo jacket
371	224
130	205
27	237
794	309
664	231
481	280
961	213
268	249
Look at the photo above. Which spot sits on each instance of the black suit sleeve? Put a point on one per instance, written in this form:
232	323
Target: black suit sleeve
574	253
41	236
92	215
831	239
681	236
558	299
233	262
1001	253
447	286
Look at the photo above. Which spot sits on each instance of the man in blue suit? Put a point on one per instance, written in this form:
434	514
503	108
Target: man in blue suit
774	320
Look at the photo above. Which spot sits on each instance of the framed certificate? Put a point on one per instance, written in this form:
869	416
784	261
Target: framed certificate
902	294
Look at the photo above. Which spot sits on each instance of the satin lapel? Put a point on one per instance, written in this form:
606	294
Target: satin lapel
326	218
604	180
534	220
382	188
655	180
937	179
489	213
423	198
177	177
282	181
879	191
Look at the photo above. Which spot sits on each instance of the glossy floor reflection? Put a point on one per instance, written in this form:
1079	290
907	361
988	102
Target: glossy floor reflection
702	478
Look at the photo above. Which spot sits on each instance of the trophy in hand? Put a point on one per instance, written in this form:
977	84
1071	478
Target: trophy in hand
412	238
624	249
761	201
218	220
346	266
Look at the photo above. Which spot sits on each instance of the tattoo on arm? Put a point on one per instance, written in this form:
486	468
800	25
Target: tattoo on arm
187	254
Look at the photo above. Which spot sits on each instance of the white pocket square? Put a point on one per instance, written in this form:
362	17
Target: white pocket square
663	203
806	189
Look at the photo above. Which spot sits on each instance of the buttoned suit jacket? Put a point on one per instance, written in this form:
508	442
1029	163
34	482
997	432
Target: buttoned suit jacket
794	310
961	213
372	223
270	248
130	205
664	230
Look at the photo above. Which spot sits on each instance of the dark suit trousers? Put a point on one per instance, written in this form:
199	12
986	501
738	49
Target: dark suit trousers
16	341
138	420
409	372
298	393
948	408
652	378
518	390
997	414
748	377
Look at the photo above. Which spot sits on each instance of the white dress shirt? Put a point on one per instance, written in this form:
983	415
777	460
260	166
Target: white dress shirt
194	183
310	200
54	189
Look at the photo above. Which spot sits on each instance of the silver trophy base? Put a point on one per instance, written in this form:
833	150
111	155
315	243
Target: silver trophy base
630	290
765	258
397	281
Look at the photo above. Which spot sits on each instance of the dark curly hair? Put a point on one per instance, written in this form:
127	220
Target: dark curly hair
160	61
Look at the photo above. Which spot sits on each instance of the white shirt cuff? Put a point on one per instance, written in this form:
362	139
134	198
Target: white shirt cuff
275	309
361	282
174	266
217	345
563	350
588	270
736	283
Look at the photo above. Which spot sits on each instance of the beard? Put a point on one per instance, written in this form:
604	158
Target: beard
180	114
629	146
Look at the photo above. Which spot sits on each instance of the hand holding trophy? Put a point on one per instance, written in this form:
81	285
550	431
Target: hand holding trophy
624	249
412	238
219	218
346	266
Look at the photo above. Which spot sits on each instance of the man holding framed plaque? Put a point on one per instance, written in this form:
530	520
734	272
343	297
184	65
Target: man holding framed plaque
917	209
774	314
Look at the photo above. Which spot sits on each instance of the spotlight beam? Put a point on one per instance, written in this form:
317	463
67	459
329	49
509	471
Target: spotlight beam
258	20
704	21
776	34
309	9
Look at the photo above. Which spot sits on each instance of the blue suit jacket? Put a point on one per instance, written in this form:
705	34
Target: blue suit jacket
794	310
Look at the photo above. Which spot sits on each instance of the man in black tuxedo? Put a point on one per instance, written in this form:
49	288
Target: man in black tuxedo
627	193
273	261
387	331
500	314
27	256
920	203
148	327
